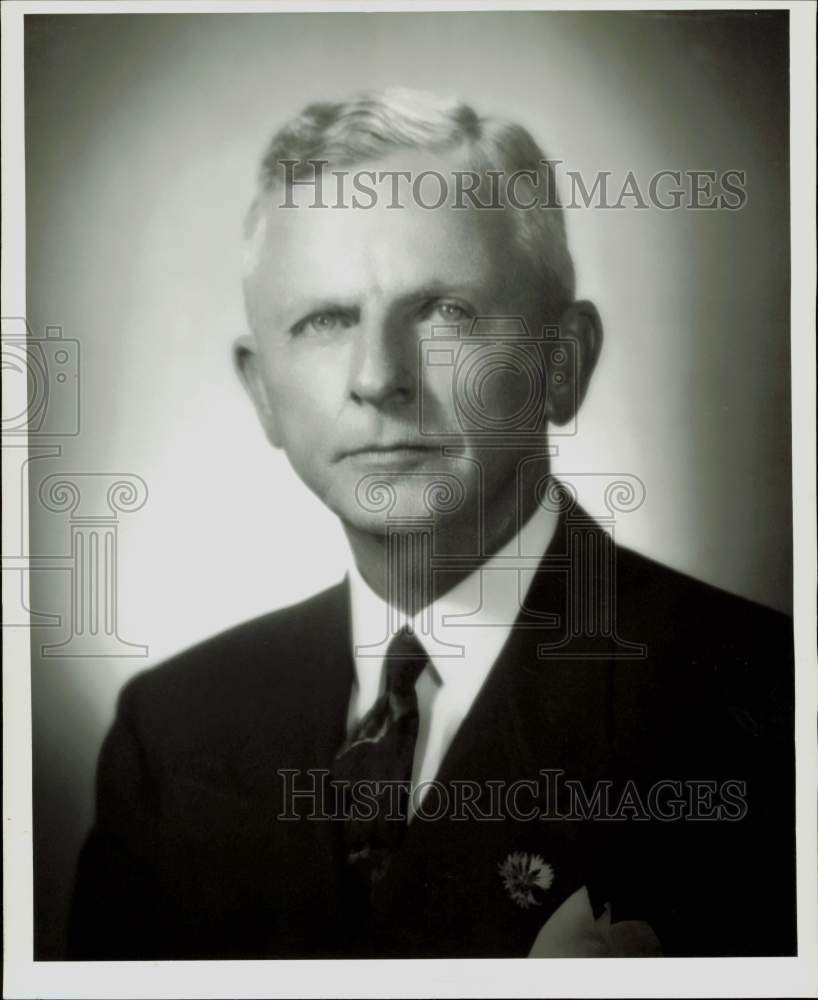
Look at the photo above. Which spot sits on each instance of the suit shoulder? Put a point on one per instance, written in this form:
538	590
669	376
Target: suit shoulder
689	606
711	646
255	654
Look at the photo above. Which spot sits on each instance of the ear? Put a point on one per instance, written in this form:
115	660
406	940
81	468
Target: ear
248	367
570	369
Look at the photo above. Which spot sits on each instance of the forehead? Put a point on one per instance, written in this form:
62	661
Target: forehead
345	250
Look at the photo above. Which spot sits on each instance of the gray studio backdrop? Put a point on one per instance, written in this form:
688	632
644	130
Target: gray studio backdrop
142	138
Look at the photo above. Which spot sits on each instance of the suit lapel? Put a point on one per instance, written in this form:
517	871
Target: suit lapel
444	893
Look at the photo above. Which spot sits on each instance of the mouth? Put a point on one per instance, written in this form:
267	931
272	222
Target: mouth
397	455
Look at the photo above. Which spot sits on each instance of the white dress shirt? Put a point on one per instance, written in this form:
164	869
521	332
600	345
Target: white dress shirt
469	627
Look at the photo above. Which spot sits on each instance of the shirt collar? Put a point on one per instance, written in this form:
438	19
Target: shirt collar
470	623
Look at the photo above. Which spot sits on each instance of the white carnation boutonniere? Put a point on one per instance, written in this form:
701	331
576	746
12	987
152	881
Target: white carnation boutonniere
522	874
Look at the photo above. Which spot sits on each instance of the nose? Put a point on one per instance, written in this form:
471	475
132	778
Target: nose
382	366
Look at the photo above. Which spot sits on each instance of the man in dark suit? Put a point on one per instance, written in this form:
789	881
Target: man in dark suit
502	734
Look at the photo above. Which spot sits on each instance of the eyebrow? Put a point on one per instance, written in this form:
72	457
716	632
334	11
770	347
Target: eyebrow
440	290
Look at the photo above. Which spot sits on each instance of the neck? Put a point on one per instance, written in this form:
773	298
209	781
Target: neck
398	565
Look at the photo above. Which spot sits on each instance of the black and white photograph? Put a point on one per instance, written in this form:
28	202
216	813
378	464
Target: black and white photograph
409	499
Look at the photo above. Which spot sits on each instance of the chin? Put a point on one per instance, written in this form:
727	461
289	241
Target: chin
376	500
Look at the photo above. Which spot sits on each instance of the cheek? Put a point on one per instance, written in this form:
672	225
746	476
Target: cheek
306	392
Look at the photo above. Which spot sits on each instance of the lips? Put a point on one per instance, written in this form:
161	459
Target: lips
397	453
390	447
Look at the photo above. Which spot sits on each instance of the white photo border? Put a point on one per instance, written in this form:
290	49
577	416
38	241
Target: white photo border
758	977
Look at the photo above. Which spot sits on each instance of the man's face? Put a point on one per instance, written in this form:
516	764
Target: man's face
341	303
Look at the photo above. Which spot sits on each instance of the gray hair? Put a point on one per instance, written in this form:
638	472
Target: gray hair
372	125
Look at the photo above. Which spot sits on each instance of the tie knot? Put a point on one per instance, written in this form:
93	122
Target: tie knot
405	659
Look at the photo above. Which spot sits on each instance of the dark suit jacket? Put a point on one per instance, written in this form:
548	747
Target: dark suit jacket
672	680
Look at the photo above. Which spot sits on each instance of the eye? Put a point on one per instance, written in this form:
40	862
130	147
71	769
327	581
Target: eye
322	322
448	311
452	311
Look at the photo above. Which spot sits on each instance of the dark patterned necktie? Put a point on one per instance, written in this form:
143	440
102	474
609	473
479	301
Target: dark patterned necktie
374	767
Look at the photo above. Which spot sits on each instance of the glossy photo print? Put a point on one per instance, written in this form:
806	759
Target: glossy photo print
406	562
